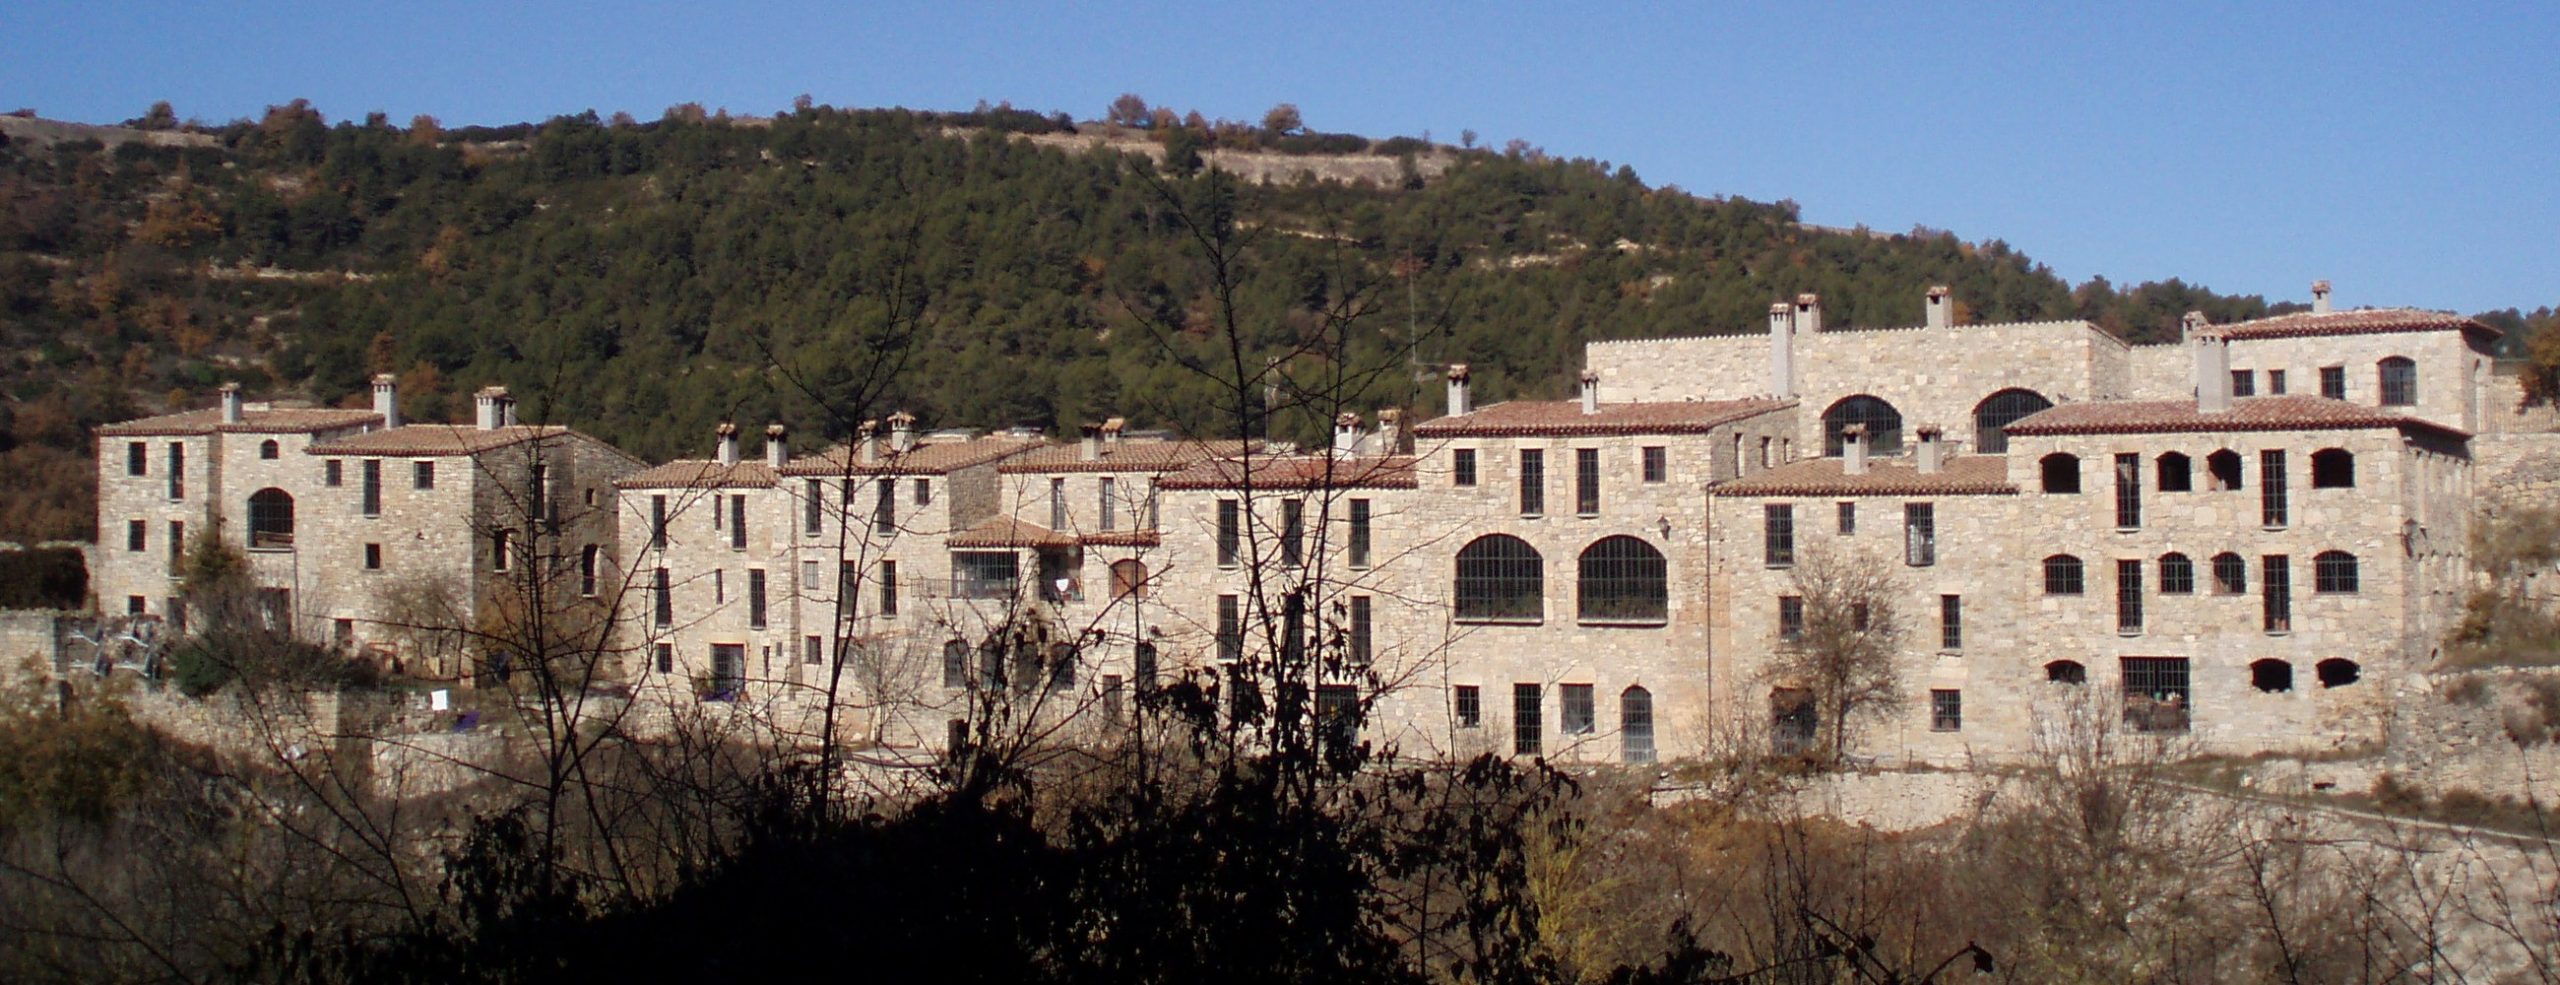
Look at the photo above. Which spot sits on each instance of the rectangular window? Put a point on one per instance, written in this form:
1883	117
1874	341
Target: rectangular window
985	574
1293	532
422	475
924	492
1946	710
1152	515
1112	701
813	507
2243	383
1229	534
1951	622
177	470
1058	504
372	494
1359	641
1462	469
1359	533
177	546
2128	597
2128	491
888	588
1470	706
1920	534
955	664
755	598
137	536
1790	618
501	549
333	473
2155	694
1778	534
137	458
812	650
661	596
1848	519
2275	382
2333	382
2272	507
737	523
1657	464
133	605
1110	505
1528	719
1764	454
1577	711
2279	588
1586	481
658	522
1230	628
884	508
1533	482
665	655
373	558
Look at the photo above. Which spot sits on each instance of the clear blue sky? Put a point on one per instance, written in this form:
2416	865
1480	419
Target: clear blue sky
2409	155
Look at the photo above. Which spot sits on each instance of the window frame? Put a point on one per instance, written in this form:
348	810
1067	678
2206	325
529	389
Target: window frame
1577	710
1586	482
2065	576
1920	534
1533	482
2336	572
1462	467
1778	535
1657	464
422	473
1528	719
1504	587
1622	580
1946	710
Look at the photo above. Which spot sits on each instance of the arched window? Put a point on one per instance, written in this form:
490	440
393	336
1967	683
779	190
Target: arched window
1635	725
2399	381
2066	672
1501	577
2222	469
270	520
588	562
2338	672
2061	472
1998	411
2333	468
2230	574
267	449
2271	676
2334	573
955	663
1884	425
1623	579
1128	579
2177	574
2062	575
2176	472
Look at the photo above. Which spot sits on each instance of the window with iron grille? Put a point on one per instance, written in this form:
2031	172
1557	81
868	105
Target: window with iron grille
985	574
1883	423
1528	720
2128	596
1462	467
1533	482
2278	587
1951	622
813	507
2177	574
1359	533
1778	534
1293	532
268	450
1586	481
2399	381
2128	491
661	596
1657	464
2230	574
1946	710
1338	715
2275	382
2155	694
888	588
2271	489
372	504
333	473
1110	505
1790	618
2243	383
1230	628
737	522
1500	577
1623	579
422	475
2062	575
270	520
1848	519
1230	532
2333	382
1635	725
1920	534
1578	715
1469	705
1359	641
1992	418
2334	573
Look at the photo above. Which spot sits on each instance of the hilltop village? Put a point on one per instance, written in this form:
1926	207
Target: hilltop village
2256	536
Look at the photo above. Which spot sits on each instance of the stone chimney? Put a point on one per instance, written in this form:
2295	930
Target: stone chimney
2188	326
902	432
2319	297
1809	313
1090	449
1390	431
230	403
1782	350
1111	430
1461	403
866	442
777	447
1853	450
2213	373
1941	305
728	444
386	399
495	408
1346	433
1933	449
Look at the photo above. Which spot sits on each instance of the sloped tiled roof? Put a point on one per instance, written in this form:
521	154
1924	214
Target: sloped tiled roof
1005	531
1124	456
701	473
1122	538
291	420
1524	418
429	440
1298	472
2362	321
1963	475
2296	412
928	457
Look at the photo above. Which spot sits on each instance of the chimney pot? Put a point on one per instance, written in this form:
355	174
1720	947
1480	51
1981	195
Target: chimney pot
495	408
1941	303
1111	429
866	442
1933	449
1090	449
1782	350
231	408
728	434
2320	297
2213	373
902	432
1590	391
1809	313
1853	450
1390	431
777	448
1346	433
1461	402
386	399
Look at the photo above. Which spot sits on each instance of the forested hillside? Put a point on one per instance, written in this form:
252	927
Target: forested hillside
644	281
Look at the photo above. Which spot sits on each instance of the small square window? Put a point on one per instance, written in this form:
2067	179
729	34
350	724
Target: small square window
1946	710
422	475
1470	706
1848	519
1657	464
1462	464
373	557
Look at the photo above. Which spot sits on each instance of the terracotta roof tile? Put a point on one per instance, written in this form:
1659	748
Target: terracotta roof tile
2362	321
1963	475
1124	456
430	440
1565	417
2296	412
1123	538
701	473
928	457
290	420
1005	531
1298	472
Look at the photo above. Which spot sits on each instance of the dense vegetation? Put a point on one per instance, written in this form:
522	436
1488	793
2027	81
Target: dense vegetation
646	280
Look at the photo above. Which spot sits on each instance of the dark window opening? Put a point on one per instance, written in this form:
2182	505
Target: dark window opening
1528	720
1230	532
2333	468
2176	472
1848	519
2222	471
1657	464
2243	383
1533	482
2275	382
2338	672
1951	622
1359	533
1577	714
268	450
1791	618
2278	584
2066	672
2230	574
2399	381
422	475
1586	481
2333	382
1793	722
372	497
985	574
2271	676
2061	472
2128	596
